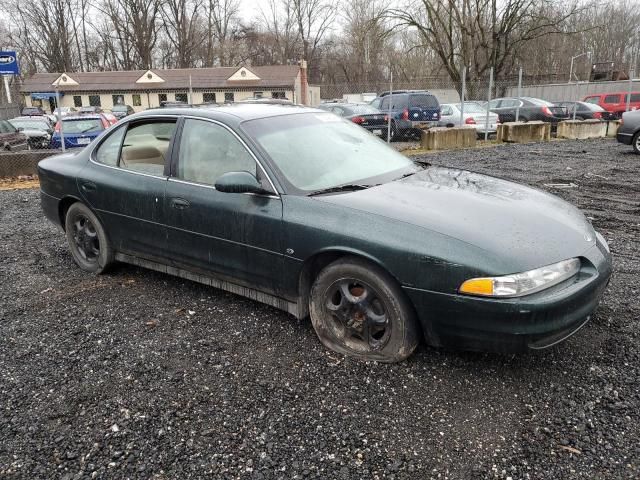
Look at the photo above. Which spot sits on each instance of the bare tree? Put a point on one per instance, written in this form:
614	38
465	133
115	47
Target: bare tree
480	34
127	31
314	19
280	31
222	31
181	25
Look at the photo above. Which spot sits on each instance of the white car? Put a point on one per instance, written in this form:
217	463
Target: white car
474	115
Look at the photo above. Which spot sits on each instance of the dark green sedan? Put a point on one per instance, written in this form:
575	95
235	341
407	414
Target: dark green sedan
299	209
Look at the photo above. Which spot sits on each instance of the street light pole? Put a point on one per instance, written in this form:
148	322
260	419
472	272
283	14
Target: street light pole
571	68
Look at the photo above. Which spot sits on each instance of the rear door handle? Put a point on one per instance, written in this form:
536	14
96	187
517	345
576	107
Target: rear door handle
89	187
180	203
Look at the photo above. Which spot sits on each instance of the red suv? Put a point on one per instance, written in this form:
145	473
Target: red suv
616	103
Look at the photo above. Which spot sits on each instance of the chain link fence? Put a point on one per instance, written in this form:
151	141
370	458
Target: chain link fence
393	125
9	111
504	97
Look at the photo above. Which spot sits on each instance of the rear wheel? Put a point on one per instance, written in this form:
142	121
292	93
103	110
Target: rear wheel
636	143
392	128
358	309
87	239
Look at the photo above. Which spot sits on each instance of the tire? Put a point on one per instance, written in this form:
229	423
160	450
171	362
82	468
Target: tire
87	239
358	309
394	132
636	143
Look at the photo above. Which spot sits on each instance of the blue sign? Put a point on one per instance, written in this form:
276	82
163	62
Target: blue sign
44	95
9	63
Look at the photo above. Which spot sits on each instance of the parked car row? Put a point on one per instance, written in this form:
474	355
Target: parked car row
35	129
403	113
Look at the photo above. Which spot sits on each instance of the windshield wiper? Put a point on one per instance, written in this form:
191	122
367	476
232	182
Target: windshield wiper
340	188
422	165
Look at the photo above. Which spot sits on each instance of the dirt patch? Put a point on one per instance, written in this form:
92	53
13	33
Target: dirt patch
17	183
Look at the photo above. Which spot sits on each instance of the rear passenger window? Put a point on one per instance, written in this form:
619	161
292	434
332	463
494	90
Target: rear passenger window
612	99
145	147
109	149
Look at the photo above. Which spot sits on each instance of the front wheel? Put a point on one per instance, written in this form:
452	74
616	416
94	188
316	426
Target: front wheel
358	309
636	143
87	239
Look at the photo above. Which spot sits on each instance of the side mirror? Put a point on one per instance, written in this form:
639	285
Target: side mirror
239	182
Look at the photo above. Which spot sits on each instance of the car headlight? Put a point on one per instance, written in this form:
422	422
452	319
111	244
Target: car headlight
519	284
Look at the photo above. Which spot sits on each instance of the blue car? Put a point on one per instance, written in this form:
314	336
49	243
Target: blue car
410	111
79	131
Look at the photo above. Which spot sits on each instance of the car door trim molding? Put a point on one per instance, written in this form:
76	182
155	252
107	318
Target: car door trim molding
215	282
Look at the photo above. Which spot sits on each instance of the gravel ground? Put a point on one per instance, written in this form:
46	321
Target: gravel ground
136	374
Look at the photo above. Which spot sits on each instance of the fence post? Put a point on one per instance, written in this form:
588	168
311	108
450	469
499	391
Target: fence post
389	109
486	122
626	109
519	94
60	118
6	87
464	86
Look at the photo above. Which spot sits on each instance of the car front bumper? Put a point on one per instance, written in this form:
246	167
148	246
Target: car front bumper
419	125
623	137
509	325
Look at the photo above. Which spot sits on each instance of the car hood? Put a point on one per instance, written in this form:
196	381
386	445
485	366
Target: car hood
519	226
32	132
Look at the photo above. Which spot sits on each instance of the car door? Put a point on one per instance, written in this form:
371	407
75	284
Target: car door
124	183
613	103
10	138
446	116
235	235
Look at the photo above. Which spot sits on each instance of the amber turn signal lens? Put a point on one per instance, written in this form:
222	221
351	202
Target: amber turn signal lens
478	286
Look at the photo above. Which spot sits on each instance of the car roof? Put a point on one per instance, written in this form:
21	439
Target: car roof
31	117
83	117
236	112
403	92
610	93
346	104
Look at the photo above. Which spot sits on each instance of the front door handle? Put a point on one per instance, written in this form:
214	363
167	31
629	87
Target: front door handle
180	203
89	186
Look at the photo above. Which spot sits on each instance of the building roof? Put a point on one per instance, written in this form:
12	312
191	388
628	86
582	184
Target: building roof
156	79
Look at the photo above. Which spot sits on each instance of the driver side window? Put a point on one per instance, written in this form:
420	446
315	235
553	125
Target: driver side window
208	151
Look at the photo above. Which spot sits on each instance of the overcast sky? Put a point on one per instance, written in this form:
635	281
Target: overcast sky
250	9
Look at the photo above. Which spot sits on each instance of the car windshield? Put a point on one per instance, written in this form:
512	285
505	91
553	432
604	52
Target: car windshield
316	151
29	124
82	125
119	108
